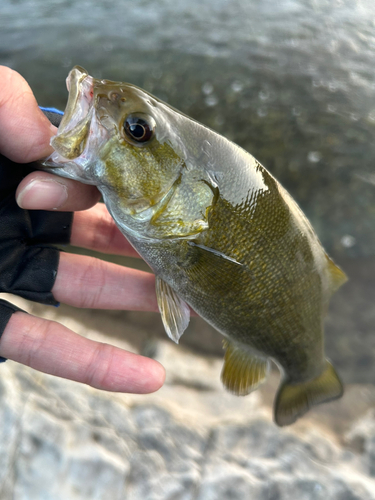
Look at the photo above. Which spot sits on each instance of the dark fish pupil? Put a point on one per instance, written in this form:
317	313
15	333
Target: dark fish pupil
137	130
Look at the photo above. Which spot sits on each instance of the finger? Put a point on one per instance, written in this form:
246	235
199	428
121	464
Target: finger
95	229
52	348
45	191
92	283
24	130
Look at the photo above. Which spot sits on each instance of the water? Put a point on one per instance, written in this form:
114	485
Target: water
292	82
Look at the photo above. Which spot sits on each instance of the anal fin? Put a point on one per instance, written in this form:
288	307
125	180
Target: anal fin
243	370
175	313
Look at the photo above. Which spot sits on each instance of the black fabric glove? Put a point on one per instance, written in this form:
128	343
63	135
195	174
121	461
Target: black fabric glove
28	259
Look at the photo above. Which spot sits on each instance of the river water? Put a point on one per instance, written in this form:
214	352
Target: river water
292	82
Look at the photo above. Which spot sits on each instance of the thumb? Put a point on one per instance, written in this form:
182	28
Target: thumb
24	130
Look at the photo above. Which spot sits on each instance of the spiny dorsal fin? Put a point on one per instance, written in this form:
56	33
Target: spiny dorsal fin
175	313
243	371
338	277
294	400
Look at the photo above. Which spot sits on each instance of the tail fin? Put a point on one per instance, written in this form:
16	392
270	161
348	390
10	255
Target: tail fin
294	400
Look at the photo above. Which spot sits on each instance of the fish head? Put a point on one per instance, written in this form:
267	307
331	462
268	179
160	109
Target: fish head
120	138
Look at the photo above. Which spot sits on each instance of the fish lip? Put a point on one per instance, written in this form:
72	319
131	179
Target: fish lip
80	101
74	129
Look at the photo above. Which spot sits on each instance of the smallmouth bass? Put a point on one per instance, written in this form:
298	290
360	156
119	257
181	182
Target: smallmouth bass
220	233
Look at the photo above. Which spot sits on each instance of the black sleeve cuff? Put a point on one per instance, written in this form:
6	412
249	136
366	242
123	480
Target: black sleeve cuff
28	259
6	311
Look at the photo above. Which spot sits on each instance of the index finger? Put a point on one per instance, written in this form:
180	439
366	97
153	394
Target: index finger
52	348
24	130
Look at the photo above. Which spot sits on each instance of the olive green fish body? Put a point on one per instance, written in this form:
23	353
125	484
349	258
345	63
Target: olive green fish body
220	233
272	288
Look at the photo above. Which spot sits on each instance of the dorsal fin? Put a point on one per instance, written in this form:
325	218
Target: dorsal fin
243	370
338	277
175	313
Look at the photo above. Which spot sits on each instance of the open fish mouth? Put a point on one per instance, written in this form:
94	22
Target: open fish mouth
81	93
74	128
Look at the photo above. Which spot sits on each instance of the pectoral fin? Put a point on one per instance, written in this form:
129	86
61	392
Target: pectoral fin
293	400
214	253
175	313
243	371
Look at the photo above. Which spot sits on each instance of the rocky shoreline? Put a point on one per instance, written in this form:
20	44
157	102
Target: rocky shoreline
189	441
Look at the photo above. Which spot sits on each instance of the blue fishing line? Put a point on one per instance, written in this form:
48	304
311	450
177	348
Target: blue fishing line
52	110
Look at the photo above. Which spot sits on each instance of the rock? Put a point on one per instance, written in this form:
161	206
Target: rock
362	438
189	441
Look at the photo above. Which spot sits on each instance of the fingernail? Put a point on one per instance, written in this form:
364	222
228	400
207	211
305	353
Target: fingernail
43	195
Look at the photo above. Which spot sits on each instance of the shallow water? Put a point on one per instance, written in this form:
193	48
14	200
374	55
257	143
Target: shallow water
292	82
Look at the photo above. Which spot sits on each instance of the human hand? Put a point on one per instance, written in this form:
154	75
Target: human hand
80	281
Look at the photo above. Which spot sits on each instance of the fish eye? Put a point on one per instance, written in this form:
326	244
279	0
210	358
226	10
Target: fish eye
139	127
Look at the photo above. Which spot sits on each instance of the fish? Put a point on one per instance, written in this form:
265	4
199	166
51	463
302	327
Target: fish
221	234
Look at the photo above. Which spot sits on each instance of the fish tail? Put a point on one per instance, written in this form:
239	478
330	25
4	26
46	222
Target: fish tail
294	400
